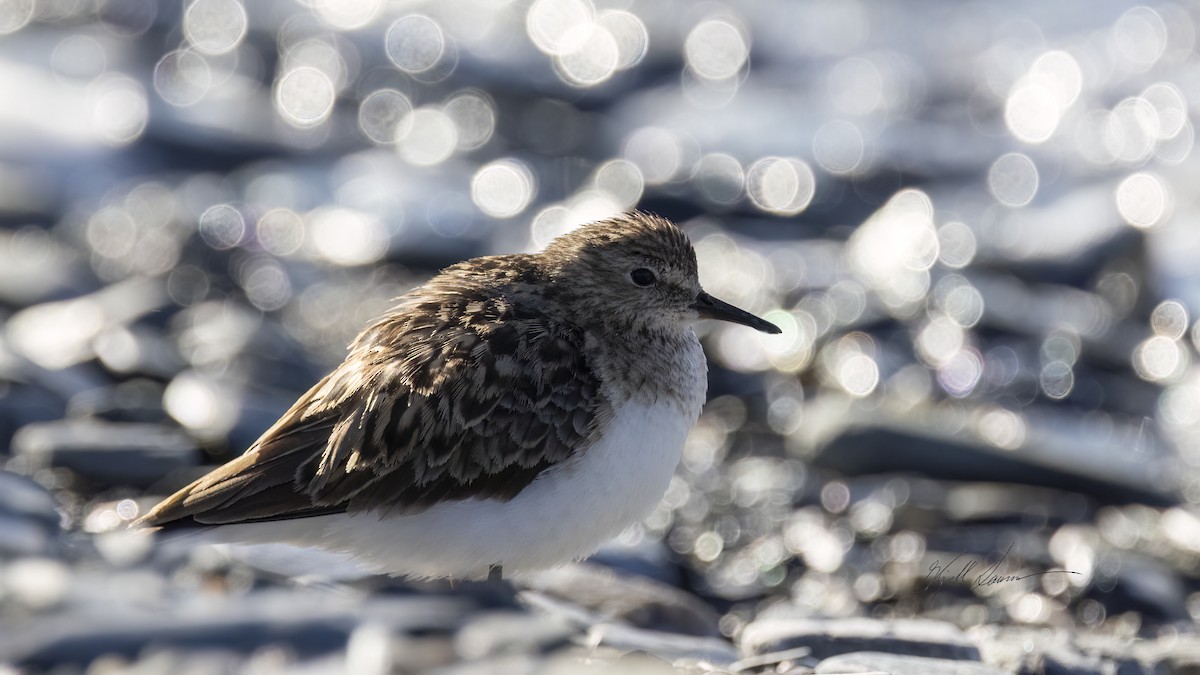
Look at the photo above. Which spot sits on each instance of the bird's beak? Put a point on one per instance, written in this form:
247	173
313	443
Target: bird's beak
711	308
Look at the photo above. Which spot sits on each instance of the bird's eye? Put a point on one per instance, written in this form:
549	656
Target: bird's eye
642	277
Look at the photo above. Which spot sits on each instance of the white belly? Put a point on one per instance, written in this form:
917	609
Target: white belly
566	514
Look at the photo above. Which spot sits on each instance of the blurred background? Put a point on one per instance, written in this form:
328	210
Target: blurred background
975	223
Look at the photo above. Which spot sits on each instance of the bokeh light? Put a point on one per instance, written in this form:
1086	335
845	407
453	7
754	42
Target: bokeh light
280	231
426	136
182	77
1169	319
1038	101
716	49
658	153
720	178
1140	36
559	27
502	189
416	44
346	237
14	14
1013	179
838	147
215	26
222	226
593	56
1142	200
305	96
894	249
781	185
380	114
347	14
120	111
629	33
474	116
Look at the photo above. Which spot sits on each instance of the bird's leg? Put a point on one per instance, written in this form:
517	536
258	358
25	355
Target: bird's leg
495	574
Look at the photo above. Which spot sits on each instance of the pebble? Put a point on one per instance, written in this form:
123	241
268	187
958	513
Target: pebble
668	646
30	523
106	453
634	600
827	637
899	664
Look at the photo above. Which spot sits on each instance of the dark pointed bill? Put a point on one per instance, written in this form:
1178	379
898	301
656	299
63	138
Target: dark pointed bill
712	308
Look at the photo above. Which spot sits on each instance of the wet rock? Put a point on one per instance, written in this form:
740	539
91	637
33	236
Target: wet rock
1035	650
138	400
635	600
664	645
20	497
35	266
507	632
58	334
827	637
778	661
106	453
648	558
22	403
1053	451
1148	587
138	350
896	664
307	625
29	517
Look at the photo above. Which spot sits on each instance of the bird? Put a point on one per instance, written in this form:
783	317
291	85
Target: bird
512	414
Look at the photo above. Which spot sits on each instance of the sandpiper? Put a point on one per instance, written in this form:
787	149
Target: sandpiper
515	413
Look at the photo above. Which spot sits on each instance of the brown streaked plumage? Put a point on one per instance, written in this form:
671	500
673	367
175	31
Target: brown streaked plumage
477	383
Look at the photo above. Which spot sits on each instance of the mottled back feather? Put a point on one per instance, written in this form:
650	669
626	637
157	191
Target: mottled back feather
466	389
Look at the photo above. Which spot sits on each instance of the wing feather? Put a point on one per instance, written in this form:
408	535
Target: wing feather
433	403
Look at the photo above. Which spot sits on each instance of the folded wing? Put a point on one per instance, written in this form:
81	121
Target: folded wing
454	395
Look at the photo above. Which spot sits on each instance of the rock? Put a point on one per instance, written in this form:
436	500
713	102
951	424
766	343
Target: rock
1149	587
307	625
827	637
666	646
22	537
648	558
34	264
1055	450
20	497
896	664
29	517
635	600
106	453
22	403
780	660
1029	649
138	400
507	632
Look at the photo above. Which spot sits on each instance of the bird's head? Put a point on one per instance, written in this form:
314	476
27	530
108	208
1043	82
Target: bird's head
637	270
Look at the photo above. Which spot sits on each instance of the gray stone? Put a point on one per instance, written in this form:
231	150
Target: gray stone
29	517
773	659
106	453
22	497
666	646
896	664
507	632
827	637
1059	450
632	599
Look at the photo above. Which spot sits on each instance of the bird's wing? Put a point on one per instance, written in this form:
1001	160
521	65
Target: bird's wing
449	397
